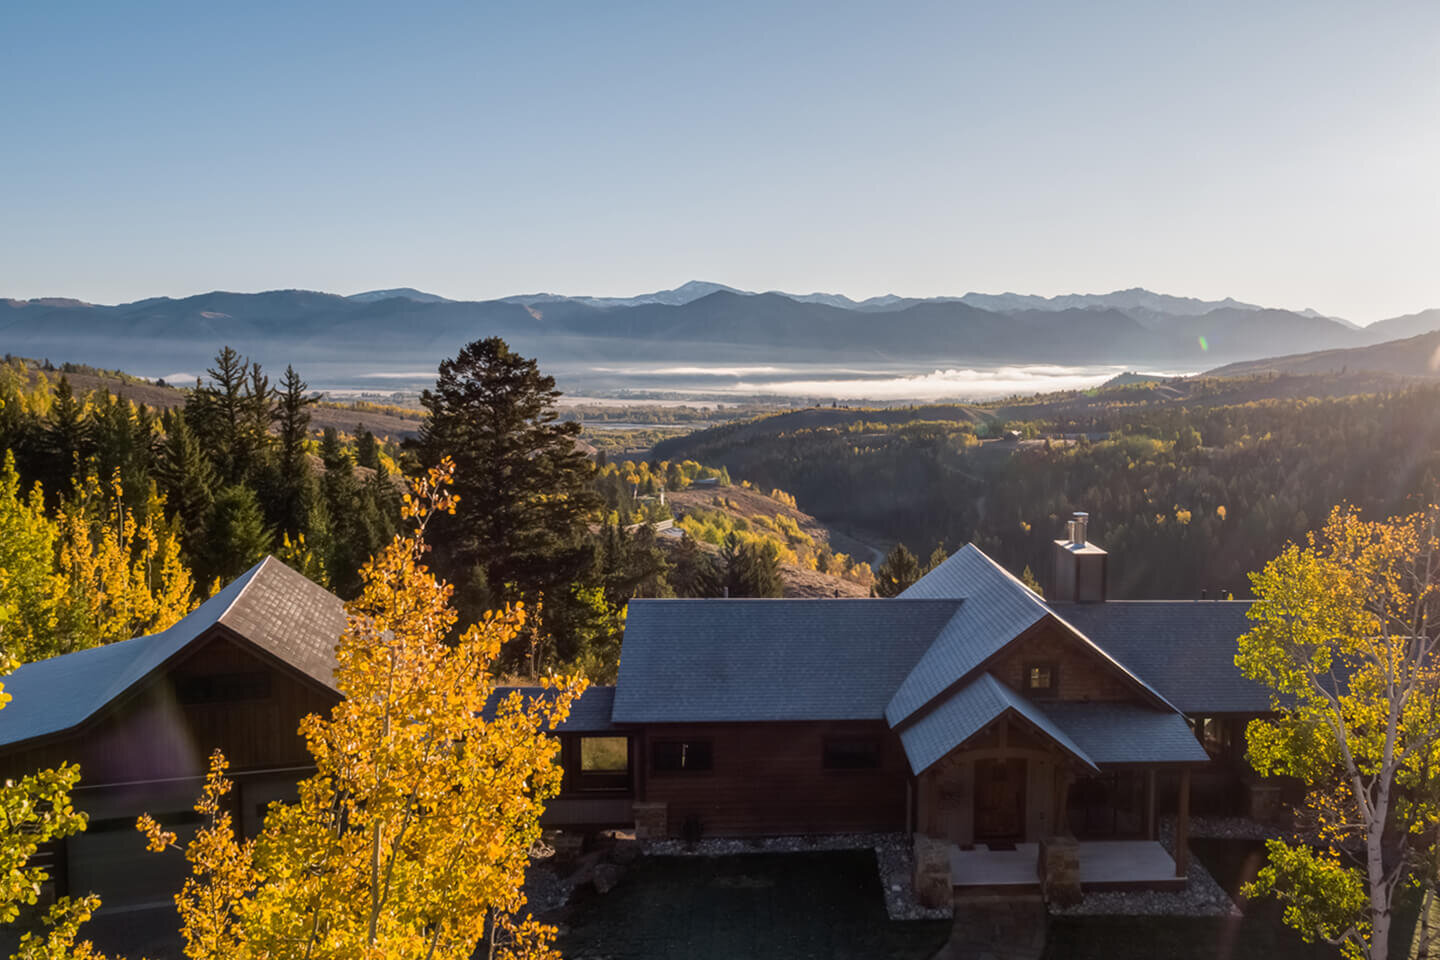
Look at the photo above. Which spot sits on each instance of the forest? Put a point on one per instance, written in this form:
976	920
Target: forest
117	518
1187	494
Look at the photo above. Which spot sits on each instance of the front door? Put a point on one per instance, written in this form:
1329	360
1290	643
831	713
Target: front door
999	800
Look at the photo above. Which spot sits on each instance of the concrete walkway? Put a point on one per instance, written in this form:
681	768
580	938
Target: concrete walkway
996	928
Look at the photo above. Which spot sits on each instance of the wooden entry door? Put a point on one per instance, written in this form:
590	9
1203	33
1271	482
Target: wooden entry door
1000	800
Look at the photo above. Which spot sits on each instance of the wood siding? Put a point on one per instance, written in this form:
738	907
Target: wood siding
769	778
149	734
1082	673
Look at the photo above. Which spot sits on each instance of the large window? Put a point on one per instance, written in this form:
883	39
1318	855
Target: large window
603	763
681	756
851	753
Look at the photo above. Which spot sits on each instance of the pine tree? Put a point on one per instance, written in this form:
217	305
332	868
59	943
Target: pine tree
237	537
693	572
186	477
292	413
231	414
899	570
937	557
67	439
752	569
524	489
367	449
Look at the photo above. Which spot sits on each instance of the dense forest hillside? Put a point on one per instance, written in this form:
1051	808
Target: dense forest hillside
1189	485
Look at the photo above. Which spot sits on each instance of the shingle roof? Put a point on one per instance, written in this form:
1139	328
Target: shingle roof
285	613
751	660
1184	648
969	710
589	713
996	609
1126	732
51	696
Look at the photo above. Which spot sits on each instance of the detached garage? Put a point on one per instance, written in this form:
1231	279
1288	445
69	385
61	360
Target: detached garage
142	717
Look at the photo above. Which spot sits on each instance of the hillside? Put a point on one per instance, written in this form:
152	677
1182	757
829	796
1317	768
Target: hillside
1417	356
1190	483
747	505
345	418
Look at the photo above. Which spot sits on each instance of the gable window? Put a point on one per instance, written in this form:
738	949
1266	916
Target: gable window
1042	679
223	687
851	753
681	756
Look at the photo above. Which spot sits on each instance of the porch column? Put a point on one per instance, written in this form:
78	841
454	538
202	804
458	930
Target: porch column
1150	804
1063	779
1182	825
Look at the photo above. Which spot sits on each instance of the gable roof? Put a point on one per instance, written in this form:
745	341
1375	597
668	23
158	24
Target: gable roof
1184	648
1126	732
997	609
54	695
969	710
739	660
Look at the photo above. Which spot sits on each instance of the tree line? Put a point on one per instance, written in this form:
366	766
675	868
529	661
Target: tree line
1185	497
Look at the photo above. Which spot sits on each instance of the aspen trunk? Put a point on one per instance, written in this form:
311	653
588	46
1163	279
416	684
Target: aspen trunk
1379	897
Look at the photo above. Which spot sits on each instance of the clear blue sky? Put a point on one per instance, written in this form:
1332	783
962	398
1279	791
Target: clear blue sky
1279	152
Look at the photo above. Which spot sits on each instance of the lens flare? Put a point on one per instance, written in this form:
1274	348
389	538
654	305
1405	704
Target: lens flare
1204	345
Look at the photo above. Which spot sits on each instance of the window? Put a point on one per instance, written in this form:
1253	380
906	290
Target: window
854	753
1041	679
681	756
598	763
223	687
604	754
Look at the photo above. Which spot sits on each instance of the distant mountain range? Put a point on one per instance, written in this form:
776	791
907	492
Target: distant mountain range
386	333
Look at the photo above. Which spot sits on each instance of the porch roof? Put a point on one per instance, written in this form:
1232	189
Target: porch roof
969	710
1126	732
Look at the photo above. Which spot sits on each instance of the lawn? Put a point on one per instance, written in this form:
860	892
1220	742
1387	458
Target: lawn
773	906
756	906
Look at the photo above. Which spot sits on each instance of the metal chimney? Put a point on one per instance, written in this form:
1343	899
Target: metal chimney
1077	527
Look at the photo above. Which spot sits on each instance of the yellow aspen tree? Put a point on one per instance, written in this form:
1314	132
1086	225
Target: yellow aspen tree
419	822
36	809
1346	635
121	577
30	594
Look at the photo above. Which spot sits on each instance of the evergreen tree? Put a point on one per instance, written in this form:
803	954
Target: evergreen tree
367	449
186	478
122	441
287	485
67	439
231	414
292	413
751	569
937	557
237	537
693	572
899	570
524	488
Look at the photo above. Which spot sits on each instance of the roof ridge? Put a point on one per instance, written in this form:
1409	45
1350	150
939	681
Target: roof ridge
250	576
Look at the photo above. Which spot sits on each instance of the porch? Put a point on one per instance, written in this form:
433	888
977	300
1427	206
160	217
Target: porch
1104	865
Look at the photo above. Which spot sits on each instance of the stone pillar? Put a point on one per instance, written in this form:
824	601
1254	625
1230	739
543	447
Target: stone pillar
1182	826
1059	870
652	821
933	885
